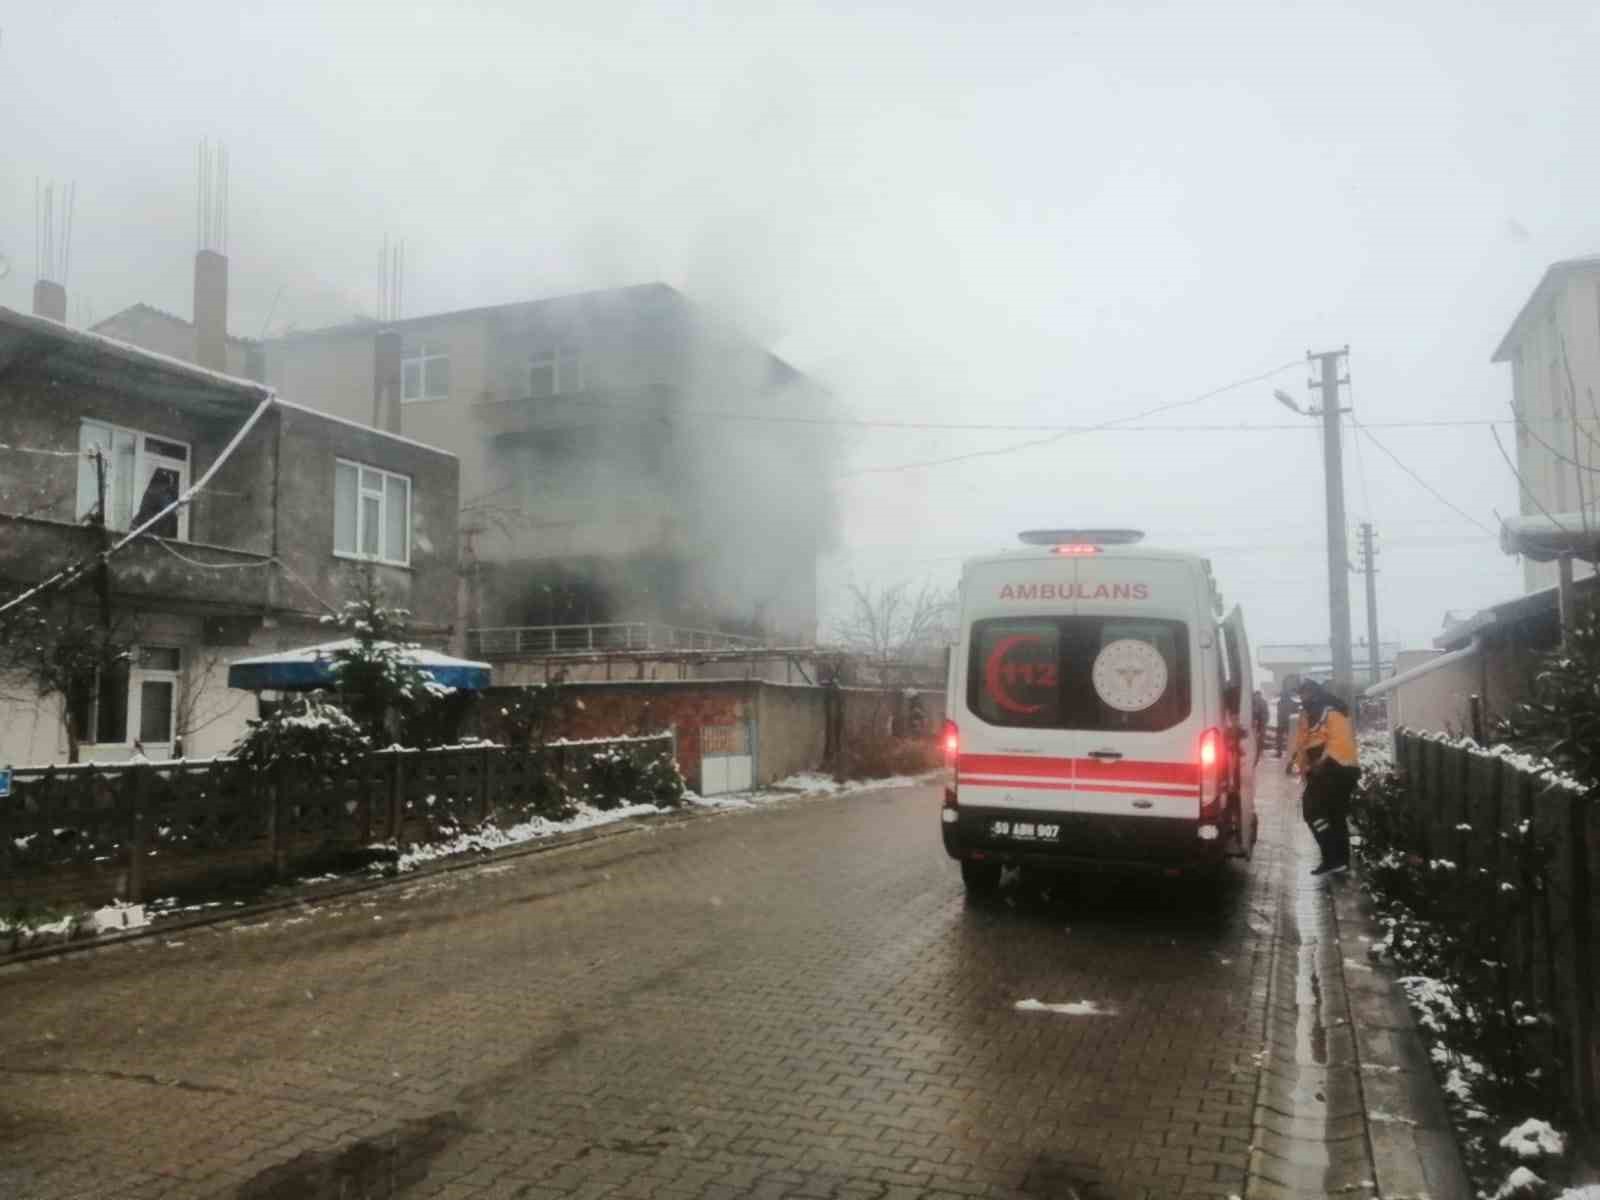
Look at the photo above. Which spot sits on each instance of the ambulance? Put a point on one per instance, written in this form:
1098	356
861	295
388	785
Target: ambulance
1099	712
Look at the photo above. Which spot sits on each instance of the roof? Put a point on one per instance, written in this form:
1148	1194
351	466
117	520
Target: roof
20	332
162	314
635	293
1555	272
638	294
1316	652
1549	536
1540	605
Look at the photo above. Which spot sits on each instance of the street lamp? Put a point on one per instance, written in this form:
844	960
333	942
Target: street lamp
1288	401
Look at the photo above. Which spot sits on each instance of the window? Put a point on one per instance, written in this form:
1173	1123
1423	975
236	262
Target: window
1039	673
371	514
555	373
425	374
97	706
136	700
143	474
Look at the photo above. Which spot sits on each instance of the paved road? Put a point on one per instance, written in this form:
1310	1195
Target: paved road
790	1002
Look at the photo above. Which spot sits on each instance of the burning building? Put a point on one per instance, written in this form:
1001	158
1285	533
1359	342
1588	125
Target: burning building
627	460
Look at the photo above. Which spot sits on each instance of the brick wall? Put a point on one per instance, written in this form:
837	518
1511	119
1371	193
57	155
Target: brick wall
790	734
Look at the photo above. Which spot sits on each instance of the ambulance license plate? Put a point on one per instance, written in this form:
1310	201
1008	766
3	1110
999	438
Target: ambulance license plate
1024	831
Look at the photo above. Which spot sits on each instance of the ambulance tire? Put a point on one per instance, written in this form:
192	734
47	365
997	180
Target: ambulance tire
981	879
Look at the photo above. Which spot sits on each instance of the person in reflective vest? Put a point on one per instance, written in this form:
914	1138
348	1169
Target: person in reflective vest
1325	754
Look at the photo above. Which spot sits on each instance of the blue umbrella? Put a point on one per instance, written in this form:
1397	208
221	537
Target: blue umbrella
312	668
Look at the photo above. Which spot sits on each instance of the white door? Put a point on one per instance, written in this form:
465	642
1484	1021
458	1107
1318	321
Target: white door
1241	677
726	764
153	699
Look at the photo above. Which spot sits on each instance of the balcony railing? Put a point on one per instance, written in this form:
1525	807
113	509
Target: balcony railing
544	641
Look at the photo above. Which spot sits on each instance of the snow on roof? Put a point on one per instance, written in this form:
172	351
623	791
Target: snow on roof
1530	605
99	343
1548	536
309	654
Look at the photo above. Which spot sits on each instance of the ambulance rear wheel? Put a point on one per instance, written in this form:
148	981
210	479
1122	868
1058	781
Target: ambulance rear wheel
980	878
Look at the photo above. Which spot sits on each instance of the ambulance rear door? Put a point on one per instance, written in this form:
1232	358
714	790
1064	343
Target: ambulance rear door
1131	673
1242	767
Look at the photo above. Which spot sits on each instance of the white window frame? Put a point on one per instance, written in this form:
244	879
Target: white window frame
420	359
382	497
562	362
143	457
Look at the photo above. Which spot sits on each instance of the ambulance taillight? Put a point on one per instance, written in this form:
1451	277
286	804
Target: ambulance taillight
1212	751
951	740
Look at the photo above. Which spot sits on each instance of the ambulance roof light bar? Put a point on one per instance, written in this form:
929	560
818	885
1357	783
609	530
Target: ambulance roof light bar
1069	541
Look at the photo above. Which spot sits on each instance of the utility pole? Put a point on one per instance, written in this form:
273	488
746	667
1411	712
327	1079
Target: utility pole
1338	550
1369	567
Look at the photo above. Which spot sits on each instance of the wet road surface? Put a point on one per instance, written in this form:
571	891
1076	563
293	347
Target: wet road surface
796	1001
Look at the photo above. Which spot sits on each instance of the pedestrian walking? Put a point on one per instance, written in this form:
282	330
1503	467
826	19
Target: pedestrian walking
1325	755
1285	711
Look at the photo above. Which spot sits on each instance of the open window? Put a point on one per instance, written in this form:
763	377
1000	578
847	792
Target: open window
135	475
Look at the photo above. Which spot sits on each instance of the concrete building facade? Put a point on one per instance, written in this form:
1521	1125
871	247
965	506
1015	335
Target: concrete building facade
300	507
624	456
1553	348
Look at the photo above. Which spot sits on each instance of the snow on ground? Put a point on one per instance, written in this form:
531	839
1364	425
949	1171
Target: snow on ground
1589	1191
1535	1139
1076	1008
809	784
492	838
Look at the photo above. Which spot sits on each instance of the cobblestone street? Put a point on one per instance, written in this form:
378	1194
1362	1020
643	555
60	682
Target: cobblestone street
790	1002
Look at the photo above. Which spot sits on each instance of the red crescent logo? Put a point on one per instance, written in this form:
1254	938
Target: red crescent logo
991	674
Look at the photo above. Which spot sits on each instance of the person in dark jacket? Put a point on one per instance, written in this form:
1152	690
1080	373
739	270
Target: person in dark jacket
1285	711
1325	754
1258	722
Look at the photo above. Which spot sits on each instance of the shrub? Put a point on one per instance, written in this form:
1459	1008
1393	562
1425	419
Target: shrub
1455	931
307	732
1560	721
878	755
615	776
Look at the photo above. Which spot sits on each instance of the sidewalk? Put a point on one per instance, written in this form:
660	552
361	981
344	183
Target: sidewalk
1348	1103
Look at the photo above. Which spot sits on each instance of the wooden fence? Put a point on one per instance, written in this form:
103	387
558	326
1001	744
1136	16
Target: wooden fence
1463	799
90	833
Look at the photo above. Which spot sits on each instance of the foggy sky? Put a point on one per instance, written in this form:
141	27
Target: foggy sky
953	213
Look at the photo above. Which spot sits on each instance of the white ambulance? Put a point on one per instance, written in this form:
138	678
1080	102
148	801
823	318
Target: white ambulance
1099	712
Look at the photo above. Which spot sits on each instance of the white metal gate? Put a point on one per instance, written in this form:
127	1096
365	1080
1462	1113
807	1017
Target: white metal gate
726	761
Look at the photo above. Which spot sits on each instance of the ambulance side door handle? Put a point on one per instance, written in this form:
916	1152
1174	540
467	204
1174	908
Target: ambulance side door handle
1111	755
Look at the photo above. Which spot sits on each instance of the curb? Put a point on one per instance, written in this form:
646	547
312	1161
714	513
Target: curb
1414	1148
1309	1125
333	890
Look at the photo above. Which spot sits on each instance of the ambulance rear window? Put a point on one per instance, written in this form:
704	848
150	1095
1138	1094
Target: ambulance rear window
1110	674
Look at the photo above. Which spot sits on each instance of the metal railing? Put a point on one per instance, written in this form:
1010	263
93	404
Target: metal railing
538	641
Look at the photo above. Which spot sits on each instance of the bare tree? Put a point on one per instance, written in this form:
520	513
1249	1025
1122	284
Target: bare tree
892	632
199	704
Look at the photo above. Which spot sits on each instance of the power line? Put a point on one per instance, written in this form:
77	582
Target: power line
1056	437
1426	486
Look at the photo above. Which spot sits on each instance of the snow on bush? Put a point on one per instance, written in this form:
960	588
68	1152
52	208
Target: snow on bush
1521	1184
1535	1139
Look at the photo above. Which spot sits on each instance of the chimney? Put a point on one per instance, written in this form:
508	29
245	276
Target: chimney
50	300
386	381
211	310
